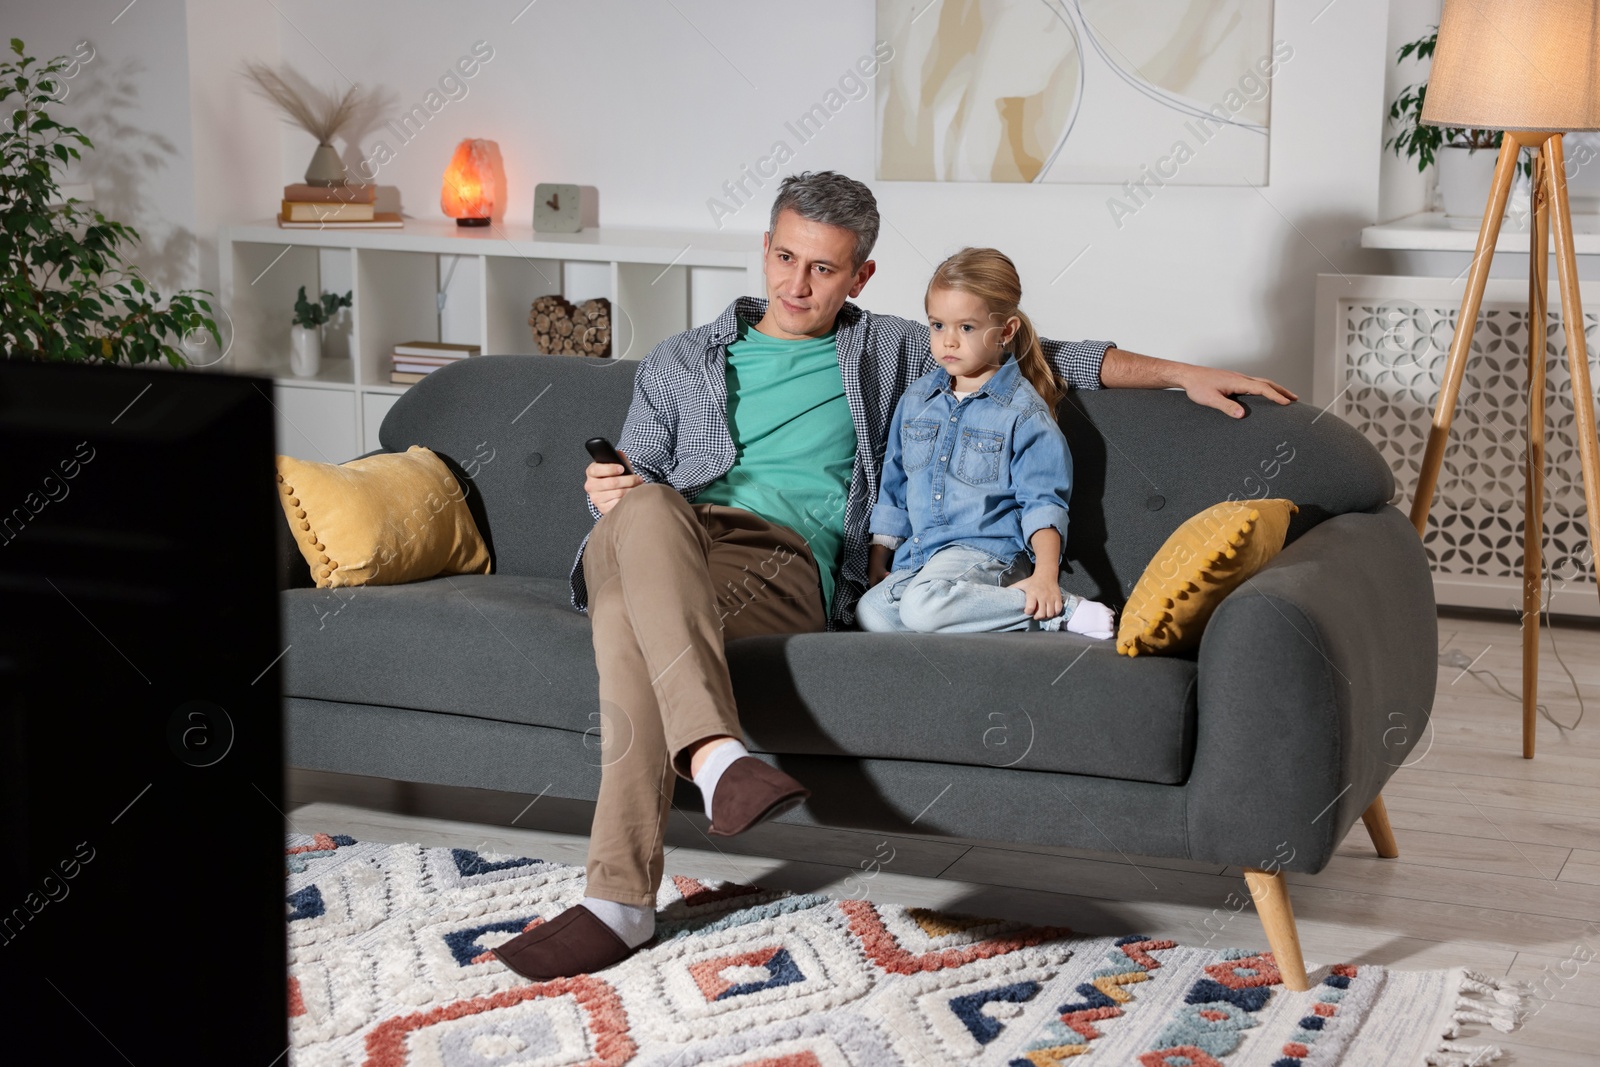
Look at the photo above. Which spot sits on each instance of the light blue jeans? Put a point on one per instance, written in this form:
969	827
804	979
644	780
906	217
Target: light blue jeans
957	591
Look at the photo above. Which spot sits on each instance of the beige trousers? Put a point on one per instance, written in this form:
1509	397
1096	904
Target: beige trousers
669	582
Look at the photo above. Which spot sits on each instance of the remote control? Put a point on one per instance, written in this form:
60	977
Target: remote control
601	451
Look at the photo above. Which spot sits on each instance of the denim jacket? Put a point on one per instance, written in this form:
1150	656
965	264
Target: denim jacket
986	471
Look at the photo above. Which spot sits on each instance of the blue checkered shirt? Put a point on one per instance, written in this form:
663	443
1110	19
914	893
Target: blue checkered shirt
677	425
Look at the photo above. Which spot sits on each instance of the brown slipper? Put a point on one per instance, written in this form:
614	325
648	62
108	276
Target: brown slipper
574	942
750	792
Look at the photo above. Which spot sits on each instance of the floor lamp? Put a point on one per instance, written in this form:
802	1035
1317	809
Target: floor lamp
1532	69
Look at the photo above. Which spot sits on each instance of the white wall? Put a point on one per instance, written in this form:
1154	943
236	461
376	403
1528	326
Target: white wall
658	104
237	136
1403	189
131	98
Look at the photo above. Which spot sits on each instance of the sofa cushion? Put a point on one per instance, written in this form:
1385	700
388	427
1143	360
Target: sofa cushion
381	520
494	646
1203	561
509	648
1038	701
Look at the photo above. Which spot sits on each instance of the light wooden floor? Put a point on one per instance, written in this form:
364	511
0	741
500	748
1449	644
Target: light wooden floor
1499	864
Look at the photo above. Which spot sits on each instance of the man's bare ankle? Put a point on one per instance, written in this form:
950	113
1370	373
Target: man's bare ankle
697	757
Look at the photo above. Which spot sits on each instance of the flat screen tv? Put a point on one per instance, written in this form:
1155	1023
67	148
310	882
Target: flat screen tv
142	899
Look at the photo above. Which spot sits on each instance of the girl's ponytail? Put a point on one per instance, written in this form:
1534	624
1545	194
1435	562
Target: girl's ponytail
1031	361
989	275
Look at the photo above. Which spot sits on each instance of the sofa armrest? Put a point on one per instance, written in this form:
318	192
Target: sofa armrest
1317	677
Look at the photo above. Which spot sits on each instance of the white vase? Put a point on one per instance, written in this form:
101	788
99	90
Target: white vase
1465	176
305	351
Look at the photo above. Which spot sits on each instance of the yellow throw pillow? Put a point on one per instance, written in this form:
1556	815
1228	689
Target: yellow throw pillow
1203	561
382	520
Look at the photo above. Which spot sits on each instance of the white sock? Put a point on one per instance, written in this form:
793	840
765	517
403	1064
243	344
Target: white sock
717	762
1091	619
634	923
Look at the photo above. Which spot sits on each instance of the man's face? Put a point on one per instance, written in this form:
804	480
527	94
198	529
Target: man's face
810	274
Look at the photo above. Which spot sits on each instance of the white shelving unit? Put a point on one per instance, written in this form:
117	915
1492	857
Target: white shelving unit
1430	231
659	282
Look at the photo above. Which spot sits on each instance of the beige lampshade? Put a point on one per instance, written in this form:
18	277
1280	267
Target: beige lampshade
1516	65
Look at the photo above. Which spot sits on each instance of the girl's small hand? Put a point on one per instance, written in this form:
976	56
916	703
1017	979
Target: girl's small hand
878	558
1042	596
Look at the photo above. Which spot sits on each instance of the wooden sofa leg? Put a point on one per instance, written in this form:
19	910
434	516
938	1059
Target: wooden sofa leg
1271	894
1377	819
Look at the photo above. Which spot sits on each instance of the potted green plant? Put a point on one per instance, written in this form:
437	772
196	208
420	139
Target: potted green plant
305	335
65	293
1464	172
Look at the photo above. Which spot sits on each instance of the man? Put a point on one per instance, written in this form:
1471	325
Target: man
755	445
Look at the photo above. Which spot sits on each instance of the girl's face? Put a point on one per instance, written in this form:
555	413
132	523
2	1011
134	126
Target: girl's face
968	340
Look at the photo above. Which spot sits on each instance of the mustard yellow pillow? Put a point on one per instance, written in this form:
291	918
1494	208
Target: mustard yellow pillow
382	520
1203	561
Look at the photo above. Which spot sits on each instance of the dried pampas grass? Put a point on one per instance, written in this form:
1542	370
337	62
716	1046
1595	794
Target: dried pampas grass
322	116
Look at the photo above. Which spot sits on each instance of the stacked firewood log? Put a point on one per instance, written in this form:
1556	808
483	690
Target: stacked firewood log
564	329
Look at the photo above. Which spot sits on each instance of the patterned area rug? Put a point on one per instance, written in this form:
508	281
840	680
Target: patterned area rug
390	966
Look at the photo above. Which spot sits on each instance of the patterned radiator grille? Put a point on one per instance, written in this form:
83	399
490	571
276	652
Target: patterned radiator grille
1392	364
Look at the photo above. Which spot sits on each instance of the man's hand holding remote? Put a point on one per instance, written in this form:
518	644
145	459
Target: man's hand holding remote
606	482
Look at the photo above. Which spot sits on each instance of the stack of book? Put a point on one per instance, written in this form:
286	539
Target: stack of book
415	360
309	207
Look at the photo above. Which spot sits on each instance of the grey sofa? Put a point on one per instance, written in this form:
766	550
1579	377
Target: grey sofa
1312	681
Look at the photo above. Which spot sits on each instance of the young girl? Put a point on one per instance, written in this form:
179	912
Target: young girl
976	473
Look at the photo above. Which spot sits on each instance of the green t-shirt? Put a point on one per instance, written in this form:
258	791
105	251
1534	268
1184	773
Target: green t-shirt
794	441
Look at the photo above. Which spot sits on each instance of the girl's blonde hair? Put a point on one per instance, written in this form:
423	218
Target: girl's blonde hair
989	275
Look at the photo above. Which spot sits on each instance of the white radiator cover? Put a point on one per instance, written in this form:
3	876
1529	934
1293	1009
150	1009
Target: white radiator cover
1381	348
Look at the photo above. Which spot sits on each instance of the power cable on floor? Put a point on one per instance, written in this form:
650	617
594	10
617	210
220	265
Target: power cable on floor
1457	658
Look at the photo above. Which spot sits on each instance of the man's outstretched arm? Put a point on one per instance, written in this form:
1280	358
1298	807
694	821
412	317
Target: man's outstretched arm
1211	386
1099	364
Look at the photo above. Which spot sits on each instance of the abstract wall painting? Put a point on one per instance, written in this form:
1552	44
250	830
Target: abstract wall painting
1076	90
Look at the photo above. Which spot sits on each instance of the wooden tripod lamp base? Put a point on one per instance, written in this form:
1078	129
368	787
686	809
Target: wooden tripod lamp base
1530	68
1550	209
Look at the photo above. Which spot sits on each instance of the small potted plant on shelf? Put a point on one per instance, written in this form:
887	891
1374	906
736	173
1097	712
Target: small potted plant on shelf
305	336
1465	157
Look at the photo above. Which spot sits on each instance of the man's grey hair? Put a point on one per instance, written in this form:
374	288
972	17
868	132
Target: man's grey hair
830	198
